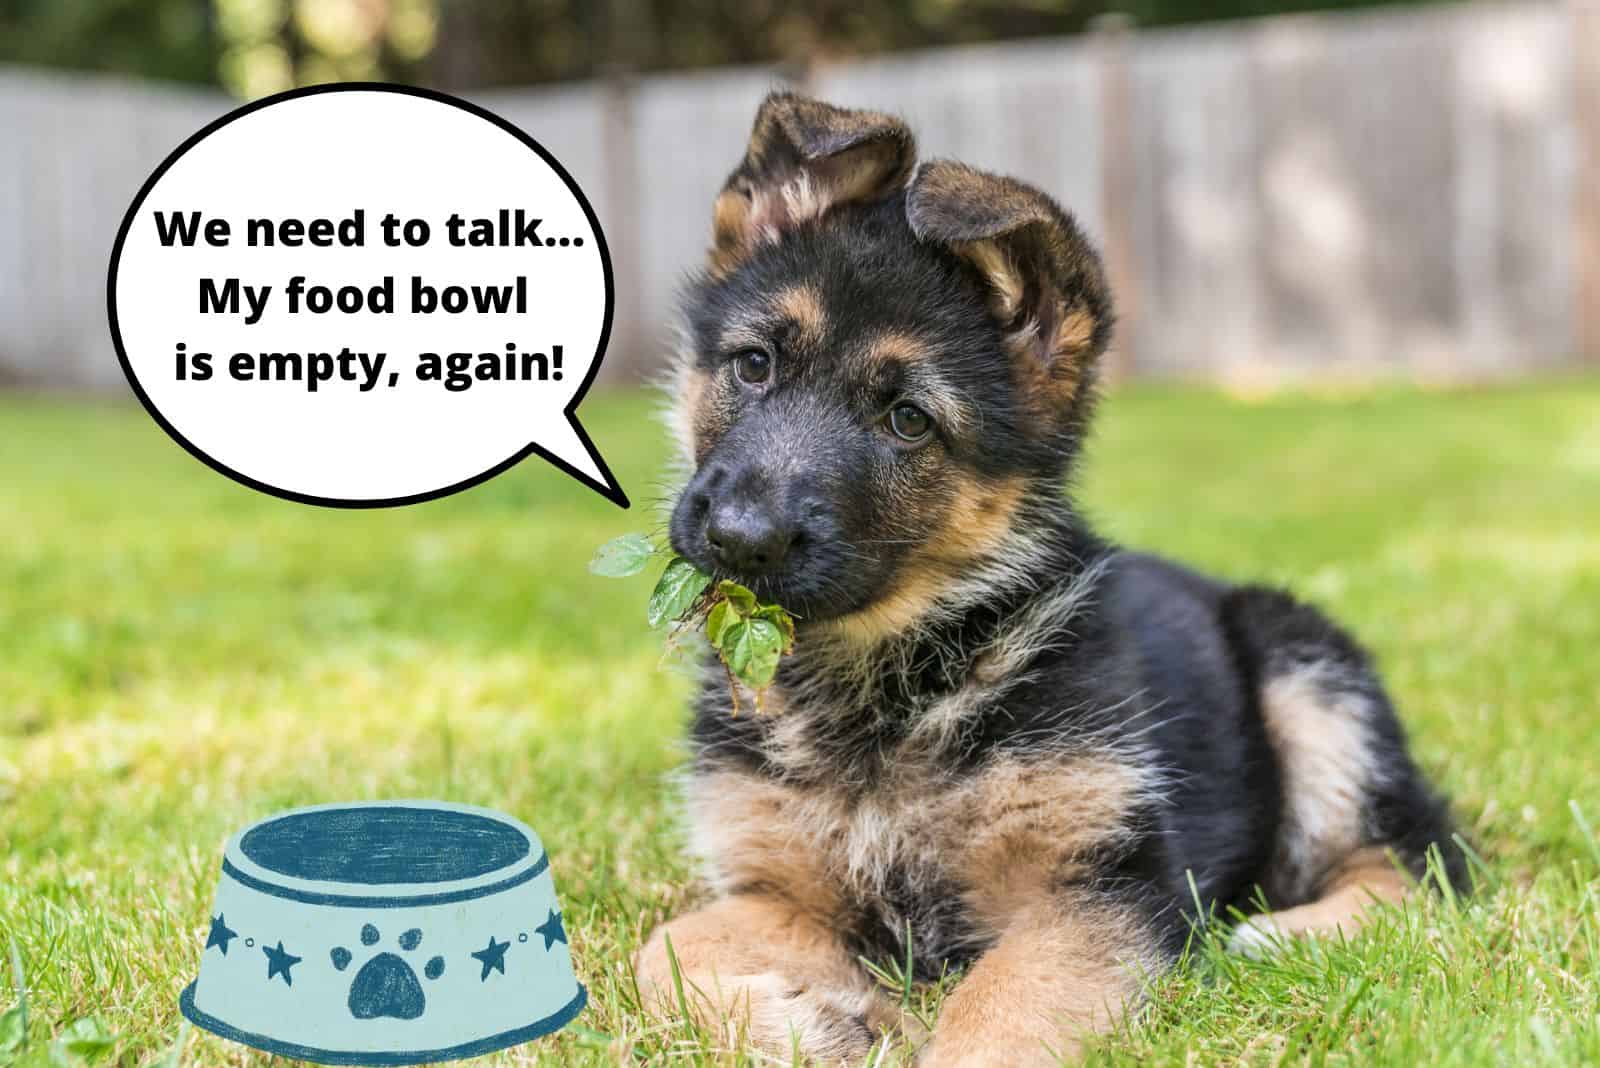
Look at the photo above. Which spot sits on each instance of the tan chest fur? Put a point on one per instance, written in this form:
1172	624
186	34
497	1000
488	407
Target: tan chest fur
1005	834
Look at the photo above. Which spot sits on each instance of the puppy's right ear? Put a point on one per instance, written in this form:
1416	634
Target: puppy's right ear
804	158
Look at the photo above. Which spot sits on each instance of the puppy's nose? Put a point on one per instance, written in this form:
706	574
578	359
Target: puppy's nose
747	540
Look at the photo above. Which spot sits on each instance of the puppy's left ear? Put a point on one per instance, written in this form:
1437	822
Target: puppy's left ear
1046	287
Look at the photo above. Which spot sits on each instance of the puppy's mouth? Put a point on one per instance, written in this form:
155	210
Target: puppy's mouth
810	572
804	586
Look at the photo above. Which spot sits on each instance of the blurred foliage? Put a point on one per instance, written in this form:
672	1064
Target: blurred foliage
269	45
253	47
168	39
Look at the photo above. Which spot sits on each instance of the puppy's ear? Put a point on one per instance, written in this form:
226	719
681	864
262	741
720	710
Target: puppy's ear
1046	287
804	158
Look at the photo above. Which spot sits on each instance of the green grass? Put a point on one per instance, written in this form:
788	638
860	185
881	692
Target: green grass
180	656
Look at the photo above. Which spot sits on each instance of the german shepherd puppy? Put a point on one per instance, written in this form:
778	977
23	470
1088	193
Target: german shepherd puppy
998	735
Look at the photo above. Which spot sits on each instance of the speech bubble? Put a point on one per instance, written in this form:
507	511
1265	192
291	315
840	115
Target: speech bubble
364	295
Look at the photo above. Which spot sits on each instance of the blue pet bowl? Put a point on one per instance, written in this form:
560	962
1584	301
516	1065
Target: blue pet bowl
385	933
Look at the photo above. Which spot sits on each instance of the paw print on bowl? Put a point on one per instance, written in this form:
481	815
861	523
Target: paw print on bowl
387	985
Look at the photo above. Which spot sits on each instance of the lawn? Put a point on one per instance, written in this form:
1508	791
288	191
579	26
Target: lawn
180	656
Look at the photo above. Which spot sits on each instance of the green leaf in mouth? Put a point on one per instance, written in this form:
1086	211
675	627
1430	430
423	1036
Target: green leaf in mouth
680	587
722	613
621	557
751	648
738	596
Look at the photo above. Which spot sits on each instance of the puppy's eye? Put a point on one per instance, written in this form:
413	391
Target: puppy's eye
909	423
753	367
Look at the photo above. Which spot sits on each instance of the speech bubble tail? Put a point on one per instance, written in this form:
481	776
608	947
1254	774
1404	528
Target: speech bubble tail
568	447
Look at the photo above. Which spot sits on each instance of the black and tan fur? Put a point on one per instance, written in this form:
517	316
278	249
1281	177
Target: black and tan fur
998	732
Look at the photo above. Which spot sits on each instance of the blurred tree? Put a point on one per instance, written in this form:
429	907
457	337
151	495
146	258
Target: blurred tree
496	42
168	39
254	47
269	45
506	42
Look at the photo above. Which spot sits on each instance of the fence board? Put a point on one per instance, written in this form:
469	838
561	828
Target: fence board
1392	193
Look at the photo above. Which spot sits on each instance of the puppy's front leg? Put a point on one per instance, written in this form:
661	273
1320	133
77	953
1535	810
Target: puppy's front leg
756	962
1058	973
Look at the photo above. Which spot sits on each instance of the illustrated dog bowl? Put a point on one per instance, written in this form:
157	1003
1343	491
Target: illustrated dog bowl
385	933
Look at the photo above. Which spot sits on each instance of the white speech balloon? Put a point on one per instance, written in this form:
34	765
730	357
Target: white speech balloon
327	152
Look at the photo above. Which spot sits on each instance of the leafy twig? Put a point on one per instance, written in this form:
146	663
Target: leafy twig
749	636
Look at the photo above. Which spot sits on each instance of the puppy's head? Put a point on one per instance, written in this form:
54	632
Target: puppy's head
881	372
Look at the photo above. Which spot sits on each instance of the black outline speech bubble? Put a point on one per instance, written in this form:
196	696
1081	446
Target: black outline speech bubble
609	489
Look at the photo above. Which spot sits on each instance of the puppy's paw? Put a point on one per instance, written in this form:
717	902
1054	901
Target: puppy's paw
996	1035
1258	937
823	1024
1000	1051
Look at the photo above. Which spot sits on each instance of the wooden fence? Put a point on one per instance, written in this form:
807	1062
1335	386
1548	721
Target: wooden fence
1408	193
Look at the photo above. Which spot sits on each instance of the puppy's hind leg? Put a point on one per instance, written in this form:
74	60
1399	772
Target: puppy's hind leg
1366	879
1352	798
